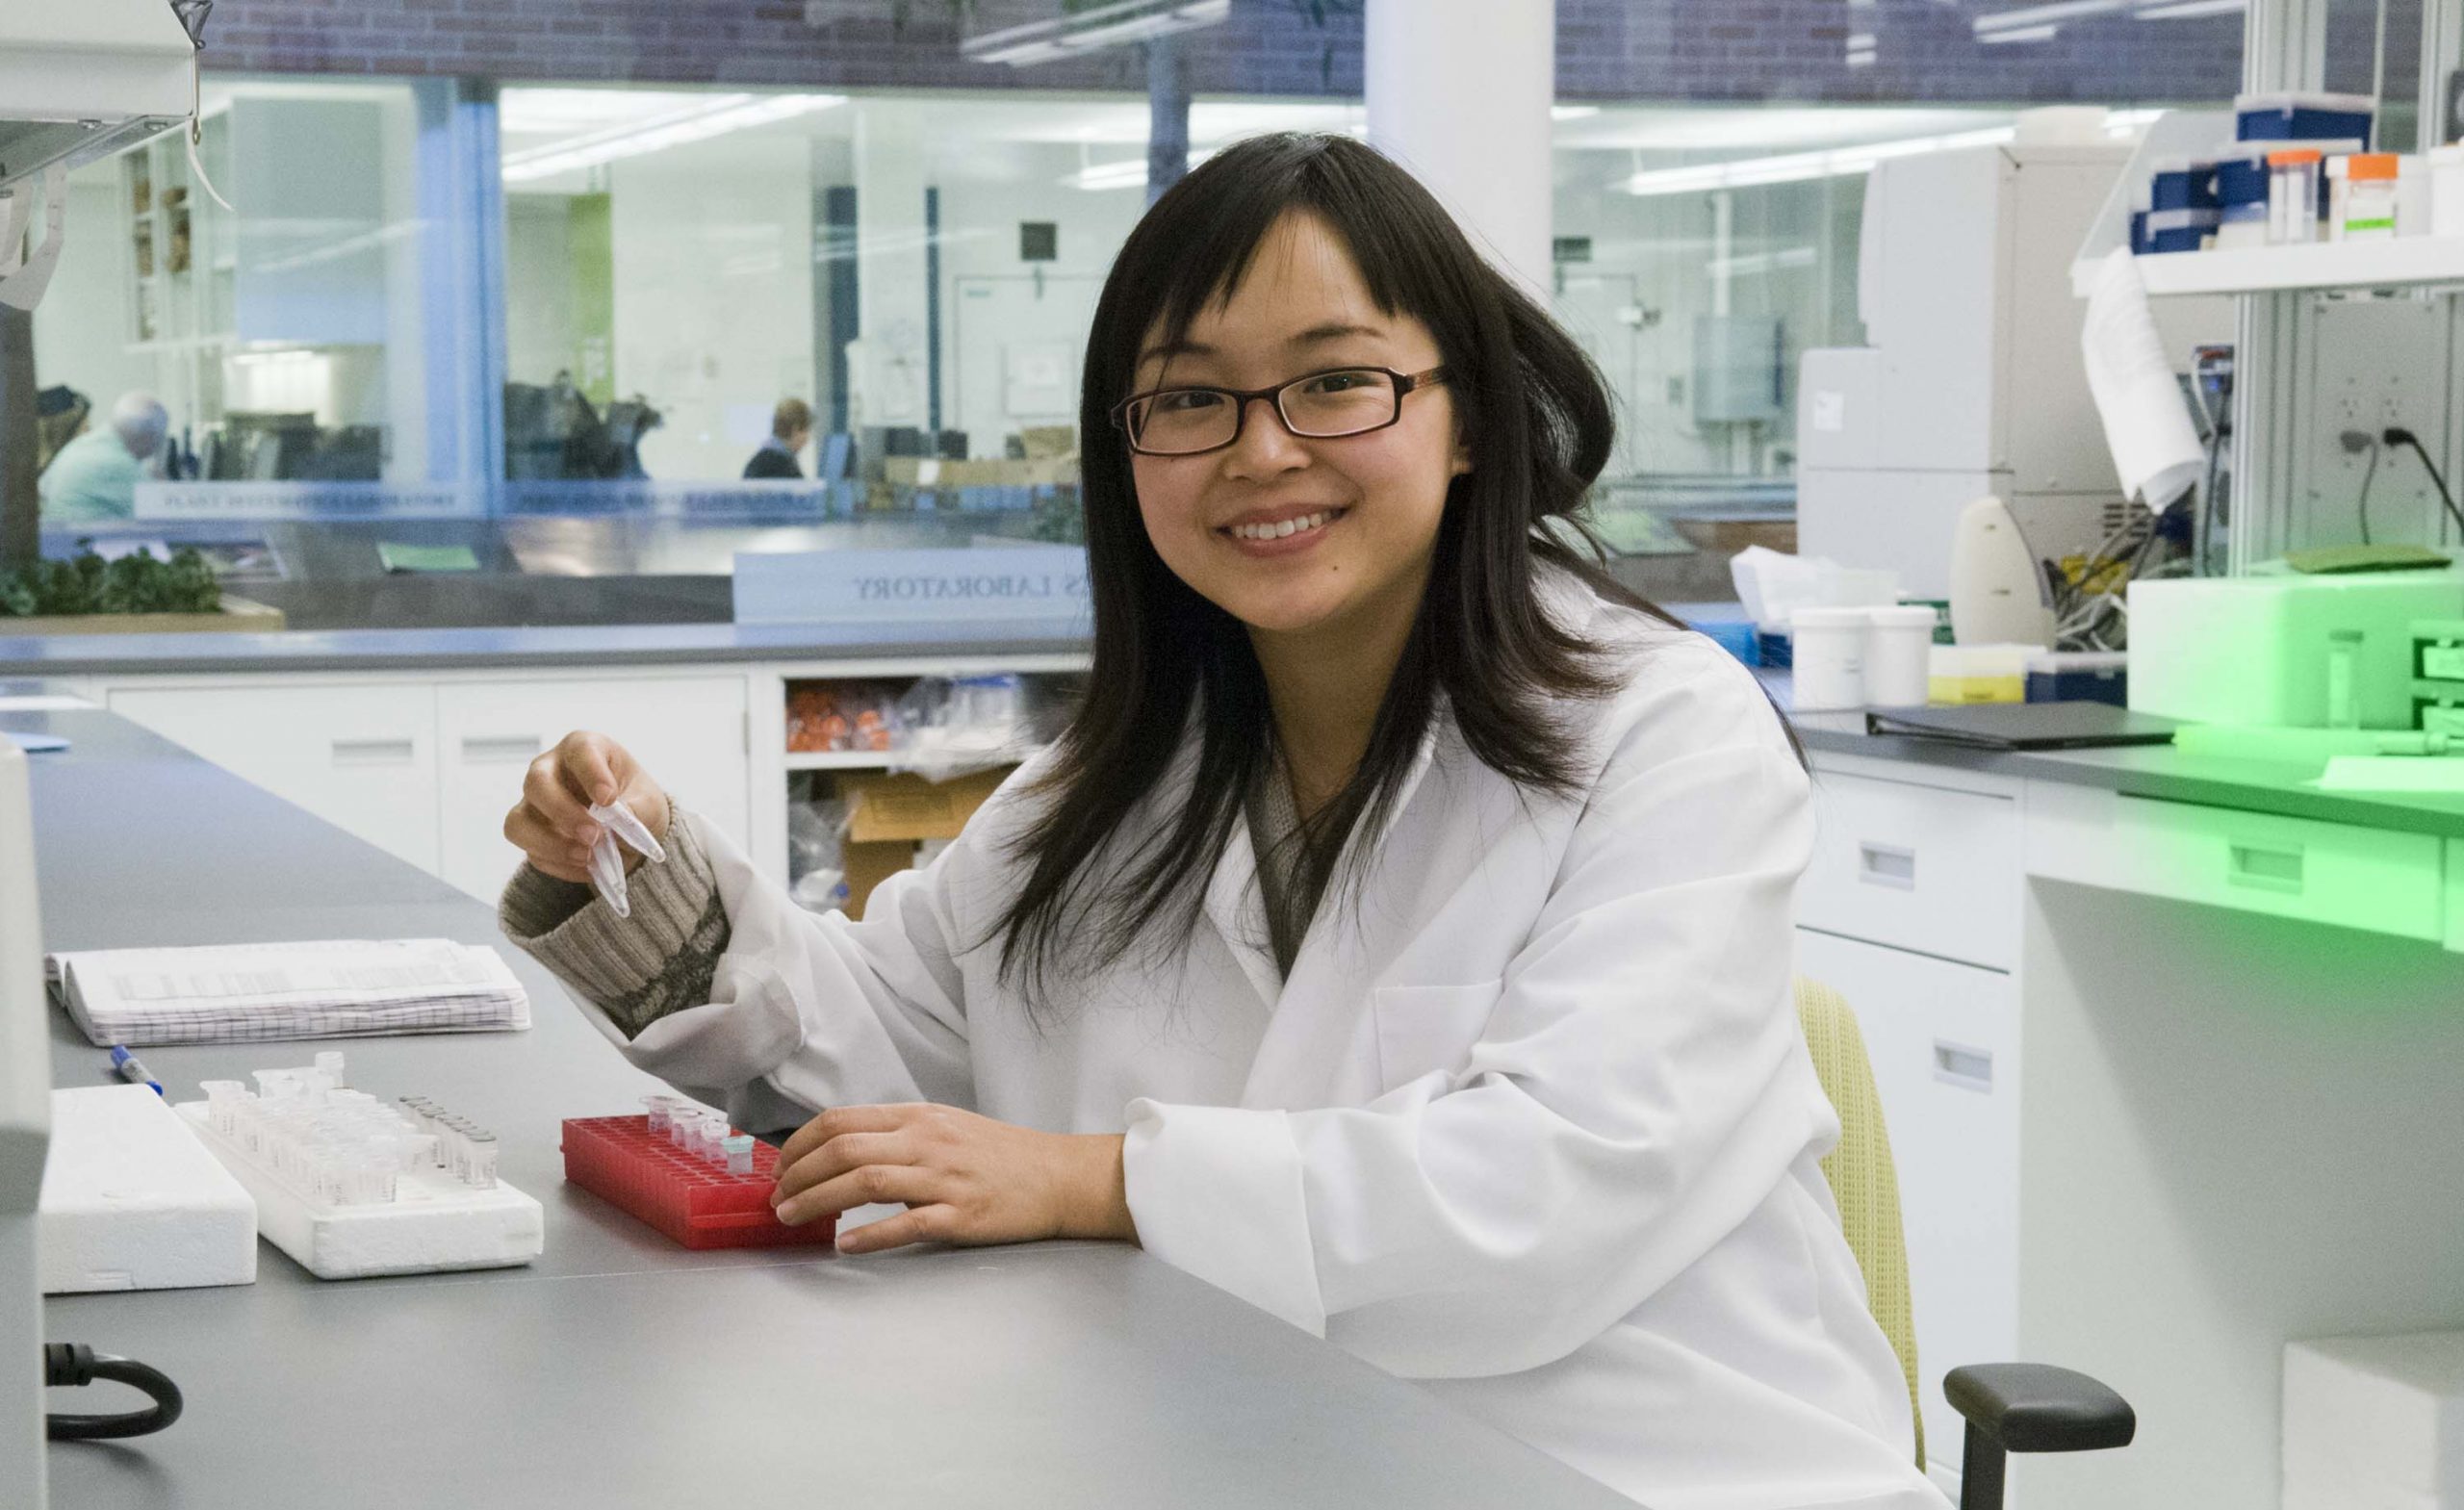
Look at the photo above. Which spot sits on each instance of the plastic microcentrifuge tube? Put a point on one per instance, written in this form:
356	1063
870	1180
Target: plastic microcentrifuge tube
616	821
681	1119
483	1162
739	1153
659	1108
715	1133
222	1102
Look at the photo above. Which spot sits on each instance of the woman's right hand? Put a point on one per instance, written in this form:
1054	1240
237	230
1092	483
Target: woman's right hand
552	825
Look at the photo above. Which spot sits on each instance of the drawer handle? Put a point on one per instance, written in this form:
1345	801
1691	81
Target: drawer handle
1969	1069
1886	865
374	751
484	750
2266	869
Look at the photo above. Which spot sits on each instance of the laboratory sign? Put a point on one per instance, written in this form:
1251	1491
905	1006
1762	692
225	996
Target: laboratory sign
992	582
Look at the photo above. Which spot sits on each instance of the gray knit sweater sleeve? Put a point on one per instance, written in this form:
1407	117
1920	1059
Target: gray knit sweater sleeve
636	969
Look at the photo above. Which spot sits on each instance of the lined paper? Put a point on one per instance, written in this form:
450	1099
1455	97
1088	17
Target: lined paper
230	994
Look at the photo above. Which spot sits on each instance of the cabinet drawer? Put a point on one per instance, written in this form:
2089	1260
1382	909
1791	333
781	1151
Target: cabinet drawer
2340	874
1917	867
688	733
363	757
1943	1040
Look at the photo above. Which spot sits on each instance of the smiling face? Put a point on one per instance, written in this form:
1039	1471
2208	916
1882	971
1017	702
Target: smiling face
1292	535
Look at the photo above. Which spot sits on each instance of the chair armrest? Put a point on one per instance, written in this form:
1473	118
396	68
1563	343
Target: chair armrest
2034	1407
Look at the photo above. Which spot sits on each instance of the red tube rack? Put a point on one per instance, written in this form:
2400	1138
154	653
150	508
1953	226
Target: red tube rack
699	1204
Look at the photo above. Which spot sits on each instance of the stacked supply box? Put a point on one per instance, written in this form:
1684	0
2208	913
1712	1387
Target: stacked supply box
2374	1423
2438	675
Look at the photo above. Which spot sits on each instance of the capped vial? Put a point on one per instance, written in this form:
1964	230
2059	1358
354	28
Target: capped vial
482	1171
658	1108
739	1153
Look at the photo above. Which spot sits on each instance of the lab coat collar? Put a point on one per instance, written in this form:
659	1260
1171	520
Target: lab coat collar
1302	1047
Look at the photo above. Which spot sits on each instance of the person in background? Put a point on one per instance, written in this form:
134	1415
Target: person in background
790	427
94	476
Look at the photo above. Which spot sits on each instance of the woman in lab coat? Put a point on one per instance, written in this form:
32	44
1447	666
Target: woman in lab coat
1399	938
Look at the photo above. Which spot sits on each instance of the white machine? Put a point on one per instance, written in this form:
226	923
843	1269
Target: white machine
25	1125
1973	385
79	79
2279	650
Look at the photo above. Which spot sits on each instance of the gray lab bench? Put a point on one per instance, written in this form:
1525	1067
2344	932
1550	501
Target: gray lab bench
619	1370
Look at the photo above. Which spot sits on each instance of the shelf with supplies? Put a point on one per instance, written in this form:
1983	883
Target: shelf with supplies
2322	267
882	768
838	759
2407	262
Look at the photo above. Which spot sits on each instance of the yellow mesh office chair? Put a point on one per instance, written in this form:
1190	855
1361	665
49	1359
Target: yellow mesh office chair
2012	1407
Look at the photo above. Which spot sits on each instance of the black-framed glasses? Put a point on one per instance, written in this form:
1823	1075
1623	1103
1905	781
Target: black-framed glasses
1319	406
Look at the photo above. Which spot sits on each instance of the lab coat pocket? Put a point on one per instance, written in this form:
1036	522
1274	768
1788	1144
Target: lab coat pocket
1424	1030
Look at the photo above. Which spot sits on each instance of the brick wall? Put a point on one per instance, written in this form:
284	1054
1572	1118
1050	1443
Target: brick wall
1608	49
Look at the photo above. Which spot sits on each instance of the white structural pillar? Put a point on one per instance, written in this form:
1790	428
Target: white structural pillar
1459	93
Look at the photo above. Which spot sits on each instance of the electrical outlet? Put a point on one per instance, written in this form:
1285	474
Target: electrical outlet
2374	364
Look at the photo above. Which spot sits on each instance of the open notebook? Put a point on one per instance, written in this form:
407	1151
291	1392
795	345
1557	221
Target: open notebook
225	994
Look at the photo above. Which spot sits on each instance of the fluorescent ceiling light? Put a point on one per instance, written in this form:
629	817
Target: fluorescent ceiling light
1125	174
565	112
1114	25
1573	112
2029	17
2037	22
1804	167
715	116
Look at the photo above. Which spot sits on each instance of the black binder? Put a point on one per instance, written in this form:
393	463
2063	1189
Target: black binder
2025	726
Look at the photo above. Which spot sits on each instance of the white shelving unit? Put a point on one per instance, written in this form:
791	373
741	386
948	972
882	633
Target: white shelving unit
2313	323
838	759
2411	262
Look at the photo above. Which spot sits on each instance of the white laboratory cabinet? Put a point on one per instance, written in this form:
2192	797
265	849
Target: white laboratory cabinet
424	765
361	756
690	732
1910	908
2169	1083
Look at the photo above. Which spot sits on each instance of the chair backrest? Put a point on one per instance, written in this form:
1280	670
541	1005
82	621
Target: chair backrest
1862	1179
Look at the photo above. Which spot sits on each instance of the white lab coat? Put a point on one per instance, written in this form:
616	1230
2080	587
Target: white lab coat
1536	1126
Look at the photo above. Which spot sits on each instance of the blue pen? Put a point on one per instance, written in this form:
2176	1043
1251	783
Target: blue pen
133	1071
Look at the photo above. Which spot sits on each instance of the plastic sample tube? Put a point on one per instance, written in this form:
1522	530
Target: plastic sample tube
616	821
659	1108
482	1173
739	1153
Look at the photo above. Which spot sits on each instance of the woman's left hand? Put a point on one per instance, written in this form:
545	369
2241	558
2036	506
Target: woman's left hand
964	1177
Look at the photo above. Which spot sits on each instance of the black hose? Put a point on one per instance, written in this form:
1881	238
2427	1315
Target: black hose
74	1364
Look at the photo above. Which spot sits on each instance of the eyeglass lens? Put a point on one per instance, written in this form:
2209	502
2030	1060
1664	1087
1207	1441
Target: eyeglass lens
1321	406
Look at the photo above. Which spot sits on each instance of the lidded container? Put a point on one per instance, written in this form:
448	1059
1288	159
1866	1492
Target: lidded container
2370	191
2293	198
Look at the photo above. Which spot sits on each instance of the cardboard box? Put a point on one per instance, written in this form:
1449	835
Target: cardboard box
887	815
925	471
868	865
1049	441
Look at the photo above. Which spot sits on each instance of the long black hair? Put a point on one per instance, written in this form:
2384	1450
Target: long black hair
1536	418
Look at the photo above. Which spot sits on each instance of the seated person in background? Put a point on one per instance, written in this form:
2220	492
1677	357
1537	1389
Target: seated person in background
790	427
94	476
